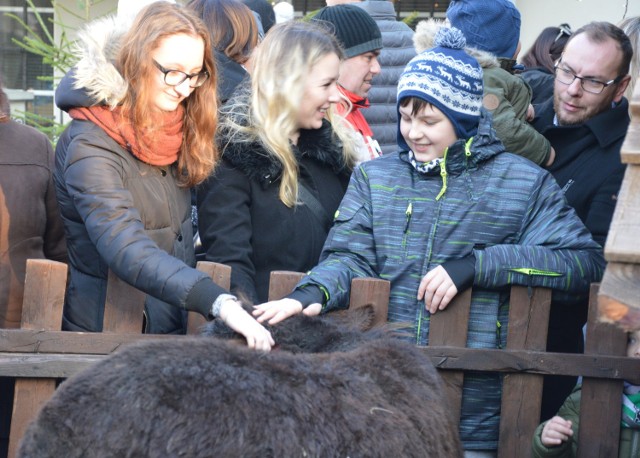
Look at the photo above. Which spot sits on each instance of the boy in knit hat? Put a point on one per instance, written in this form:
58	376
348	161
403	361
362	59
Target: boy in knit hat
361	40
558	437
449	211
492	28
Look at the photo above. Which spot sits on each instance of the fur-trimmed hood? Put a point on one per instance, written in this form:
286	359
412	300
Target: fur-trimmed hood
426	31
245	151
95	79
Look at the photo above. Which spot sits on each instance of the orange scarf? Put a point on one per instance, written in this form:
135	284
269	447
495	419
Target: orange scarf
160	147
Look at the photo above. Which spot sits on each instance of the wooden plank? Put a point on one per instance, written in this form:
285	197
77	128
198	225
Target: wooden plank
26	343
630	152
45	284
619	295
600	406
449	327
221	275
282	282
444	358
371	291
622	245
46	342
522	393
43	366
124	306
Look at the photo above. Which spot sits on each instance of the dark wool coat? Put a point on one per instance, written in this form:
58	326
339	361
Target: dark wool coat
397	51
121	213
397	224
243	223
589	171
30	224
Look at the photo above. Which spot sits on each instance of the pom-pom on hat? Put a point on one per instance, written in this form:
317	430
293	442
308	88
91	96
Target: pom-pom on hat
448	78
356	31
489	25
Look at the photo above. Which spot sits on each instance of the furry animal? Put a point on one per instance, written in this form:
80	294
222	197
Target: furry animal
331	391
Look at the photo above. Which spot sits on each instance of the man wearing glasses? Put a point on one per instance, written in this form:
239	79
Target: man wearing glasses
585	122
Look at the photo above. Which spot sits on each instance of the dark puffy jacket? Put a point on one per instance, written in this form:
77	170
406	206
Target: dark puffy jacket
397	224
244	224
121	213
397	39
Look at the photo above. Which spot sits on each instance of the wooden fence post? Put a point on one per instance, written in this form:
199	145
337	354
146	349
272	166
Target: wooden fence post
521	393
282	282
601	400
45	284
221	275
123	307
448	328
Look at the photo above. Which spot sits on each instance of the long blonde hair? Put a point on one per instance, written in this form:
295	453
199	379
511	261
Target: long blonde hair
198	153
283	62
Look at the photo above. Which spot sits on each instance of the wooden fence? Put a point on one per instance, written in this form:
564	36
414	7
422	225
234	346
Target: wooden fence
39	353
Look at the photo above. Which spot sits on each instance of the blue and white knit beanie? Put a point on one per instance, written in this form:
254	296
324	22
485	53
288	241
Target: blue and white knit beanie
489	25
448	78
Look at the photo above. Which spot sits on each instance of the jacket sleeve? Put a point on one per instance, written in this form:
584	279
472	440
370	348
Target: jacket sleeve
554	249
54	243
570	410
512	98
602	207
94	178
349	251
225	226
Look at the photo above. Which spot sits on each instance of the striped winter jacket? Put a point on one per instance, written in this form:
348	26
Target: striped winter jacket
397	224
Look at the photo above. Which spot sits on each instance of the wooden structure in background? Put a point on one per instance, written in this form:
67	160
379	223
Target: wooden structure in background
39	354
619	300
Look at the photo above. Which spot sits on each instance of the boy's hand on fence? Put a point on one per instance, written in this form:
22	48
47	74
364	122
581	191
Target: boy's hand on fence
232	313
437	289
556	431
275	311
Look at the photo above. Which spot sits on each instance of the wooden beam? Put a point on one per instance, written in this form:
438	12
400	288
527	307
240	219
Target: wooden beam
446	358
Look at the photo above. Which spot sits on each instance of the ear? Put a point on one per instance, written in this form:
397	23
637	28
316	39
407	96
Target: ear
363	317
621	87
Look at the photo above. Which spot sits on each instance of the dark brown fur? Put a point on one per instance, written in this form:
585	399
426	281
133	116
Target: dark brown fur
352	393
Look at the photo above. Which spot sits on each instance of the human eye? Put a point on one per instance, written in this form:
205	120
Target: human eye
175	77
591	84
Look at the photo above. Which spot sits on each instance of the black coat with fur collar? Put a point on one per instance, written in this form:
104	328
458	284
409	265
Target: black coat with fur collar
244	224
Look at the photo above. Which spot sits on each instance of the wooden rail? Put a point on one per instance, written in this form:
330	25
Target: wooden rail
39	353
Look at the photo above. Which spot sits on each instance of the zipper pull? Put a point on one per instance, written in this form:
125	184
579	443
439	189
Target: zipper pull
408	213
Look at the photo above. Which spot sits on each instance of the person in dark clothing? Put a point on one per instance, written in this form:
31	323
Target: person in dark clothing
586	123
285	168
451	210
540	59
397	51
30	226
234	35
124	166
265	13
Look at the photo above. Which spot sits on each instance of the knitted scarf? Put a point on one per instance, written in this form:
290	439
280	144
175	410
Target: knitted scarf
160	147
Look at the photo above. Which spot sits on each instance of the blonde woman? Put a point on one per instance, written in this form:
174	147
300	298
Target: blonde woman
284	168
124	166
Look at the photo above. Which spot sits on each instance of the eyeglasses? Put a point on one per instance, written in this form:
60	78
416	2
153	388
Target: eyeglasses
565	29
176	77
567	77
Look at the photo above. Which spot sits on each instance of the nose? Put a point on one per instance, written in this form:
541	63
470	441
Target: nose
183	88
375	66
575	88
334	94
415	132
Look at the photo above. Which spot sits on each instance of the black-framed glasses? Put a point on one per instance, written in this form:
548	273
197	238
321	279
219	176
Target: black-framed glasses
567	77
177	77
